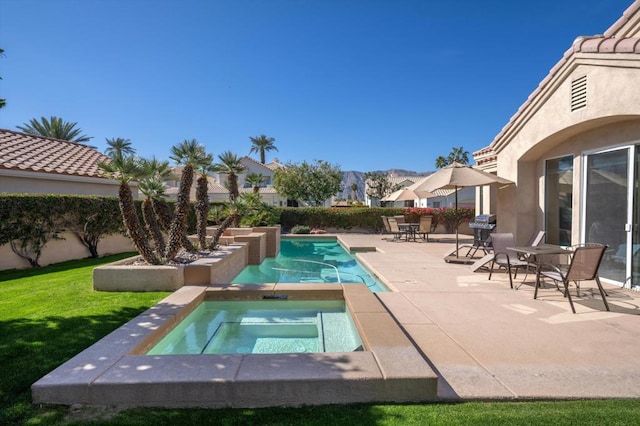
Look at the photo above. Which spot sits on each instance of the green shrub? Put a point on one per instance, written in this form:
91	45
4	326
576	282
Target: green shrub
365	218
301	229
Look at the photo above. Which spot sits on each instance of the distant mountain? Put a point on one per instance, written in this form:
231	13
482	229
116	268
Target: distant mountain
351	177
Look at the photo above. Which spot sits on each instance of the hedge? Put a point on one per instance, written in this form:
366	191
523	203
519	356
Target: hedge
29	221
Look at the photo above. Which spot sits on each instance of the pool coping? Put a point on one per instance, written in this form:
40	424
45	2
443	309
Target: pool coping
115	372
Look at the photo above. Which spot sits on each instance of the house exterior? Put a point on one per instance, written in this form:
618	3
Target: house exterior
573	151
402	181
446	198
218	193
38	165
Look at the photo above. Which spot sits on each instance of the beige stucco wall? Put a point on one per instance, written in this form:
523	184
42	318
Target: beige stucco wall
46	183
67	249
547	128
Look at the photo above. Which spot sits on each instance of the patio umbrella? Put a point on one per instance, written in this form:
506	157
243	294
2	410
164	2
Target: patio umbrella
455	176
405	194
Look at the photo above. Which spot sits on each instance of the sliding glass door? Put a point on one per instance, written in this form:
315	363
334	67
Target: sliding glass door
609	206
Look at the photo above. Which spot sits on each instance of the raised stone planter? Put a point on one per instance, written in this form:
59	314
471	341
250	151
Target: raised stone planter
238	248
218	268
119	276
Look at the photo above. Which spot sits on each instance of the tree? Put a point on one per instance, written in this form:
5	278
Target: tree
119	146
155	173
55	128
457	155
441	162
262	144
231	165
255	180
354	191
29	229
95	217
189	153
124	169
379	185
3	101
310	183
205	166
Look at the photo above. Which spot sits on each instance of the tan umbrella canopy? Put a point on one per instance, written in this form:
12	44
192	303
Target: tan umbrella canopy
455	176
405	194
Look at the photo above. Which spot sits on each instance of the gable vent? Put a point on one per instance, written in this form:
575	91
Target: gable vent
579	93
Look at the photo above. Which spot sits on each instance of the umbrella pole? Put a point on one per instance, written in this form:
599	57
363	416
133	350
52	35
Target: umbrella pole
456	215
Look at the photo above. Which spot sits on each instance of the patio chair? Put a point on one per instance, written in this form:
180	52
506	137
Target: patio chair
584	266
399	218
505	257
424	227
385	223
395	229
536	239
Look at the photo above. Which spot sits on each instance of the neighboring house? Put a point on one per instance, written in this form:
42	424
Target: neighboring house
573	150
38	165
447	198
402	181
218	193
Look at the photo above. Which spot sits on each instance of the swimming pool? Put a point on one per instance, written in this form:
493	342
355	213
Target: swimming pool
263	327
306	260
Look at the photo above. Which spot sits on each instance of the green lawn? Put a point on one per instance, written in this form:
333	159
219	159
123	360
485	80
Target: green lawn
50	314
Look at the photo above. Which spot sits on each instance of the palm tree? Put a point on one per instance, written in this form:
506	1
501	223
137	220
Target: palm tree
458	155
152	186
205	166
441	162
262	144
255	180
3	102
233	209
152	189
125	169
231	165
119	146
188	154
55	128
354	190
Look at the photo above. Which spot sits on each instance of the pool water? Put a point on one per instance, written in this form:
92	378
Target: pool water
262	327
310	261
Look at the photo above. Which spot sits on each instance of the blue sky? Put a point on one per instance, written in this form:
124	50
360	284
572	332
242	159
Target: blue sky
366	85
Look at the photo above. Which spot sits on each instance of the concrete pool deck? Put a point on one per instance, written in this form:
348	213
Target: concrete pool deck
486	341
481	340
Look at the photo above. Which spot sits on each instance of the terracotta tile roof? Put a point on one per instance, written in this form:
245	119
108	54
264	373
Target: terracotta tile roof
257	163
274	165
20	151
614	40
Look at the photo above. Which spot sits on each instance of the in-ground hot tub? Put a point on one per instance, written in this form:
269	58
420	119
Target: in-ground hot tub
117	371
272	326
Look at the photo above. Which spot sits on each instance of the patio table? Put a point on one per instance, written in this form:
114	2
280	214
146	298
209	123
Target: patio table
534	253
411	228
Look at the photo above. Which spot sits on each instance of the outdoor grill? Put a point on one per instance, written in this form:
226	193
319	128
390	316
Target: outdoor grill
482	226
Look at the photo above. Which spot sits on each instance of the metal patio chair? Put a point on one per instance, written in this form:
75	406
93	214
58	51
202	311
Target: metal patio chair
584	265
424	227
395	229
504	257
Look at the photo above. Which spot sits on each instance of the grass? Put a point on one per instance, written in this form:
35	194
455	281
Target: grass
50	314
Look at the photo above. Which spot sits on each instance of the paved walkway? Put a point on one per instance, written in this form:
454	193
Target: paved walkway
487	341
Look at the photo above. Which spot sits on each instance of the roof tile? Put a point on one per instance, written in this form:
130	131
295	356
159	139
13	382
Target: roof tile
21	151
